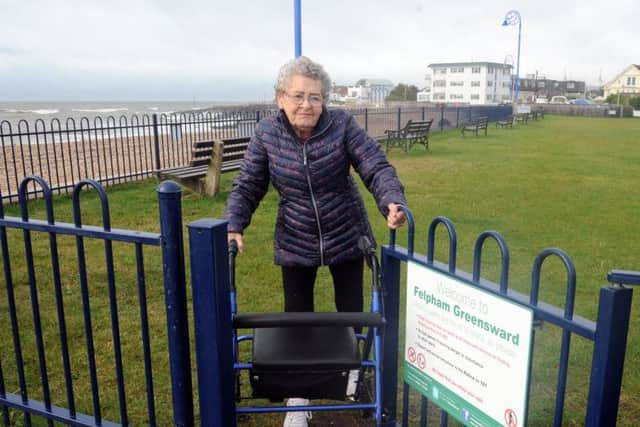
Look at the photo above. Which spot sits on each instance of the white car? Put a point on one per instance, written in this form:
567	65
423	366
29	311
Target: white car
559	99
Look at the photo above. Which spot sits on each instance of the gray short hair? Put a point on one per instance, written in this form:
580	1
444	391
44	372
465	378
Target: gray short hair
303	66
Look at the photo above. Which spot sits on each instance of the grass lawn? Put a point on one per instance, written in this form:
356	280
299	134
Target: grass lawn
566	182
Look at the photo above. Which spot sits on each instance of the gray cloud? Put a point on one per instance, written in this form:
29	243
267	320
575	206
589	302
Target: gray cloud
216	47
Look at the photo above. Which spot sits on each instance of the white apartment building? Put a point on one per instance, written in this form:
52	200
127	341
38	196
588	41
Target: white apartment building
468	83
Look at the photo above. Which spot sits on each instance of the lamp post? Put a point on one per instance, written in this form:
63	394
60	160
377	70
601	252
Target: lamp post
297	28
512	18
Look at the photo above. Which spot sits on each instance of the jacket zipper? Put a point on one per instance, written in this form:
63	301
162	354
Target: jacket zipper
313	202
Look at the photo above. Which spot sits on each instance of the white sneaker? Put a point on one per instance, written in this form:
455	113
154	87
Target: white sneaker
298	418
352	382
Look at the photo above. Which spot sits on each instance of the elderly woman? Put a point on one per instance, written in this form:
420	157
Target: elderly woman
306	152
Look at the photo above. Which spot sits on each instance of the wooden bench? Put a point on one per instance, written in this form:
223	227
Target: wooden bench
507	122
414	132
475	125
522	118
209	158
535	115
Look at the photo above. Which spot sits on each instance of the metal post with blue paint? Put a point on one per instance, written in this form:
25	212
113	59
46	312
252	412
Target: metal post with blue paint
169	200
610	345
391	286
297	27
212	320
391	344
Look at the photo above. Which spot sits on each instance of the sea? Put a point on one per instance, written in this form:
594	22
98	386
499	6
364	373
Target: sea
13	112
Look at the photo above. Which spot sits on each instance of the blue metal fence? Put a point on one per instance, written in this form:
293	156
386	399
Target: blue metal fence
30	388
61	394
608	333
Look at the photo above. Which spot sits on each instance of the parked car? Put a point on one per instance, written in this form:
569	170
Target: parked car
581	101
559	99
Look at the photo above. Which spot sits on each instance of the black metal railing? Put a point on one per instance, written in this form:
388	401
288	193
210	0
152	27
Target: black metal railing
116	150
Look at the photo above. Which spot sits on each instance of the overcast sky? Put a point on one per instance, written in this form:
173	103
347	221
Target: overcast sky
231	50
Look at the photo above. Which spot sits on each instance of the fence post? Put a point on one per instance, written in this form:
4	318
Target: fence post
441	117
366	120
169	200
608	356
156	140
457	117
391	285
399	114
212	317
211	185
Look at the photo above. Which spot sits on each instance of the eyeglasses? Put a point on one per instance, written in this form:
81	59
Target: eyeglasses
298	99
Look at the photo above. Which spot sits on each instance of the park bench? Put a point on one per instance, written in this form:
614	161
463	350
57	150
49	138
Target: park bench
475	125
506	122
521	118
209	158
414	132
535	115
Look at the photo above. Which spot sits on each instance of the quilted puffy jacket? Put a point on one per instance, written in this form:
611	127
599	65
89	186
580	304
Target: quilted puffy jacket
321	214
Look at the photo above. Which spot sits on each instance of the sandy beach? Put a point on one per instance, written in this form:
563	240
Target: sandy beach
116	154
62	164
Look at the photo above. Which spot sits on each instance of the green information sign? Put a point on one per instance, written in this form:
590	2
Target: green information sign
467	350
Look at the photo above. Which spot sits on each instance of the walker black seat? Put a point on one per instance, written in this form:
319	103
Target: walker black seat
304	354
293	348
311	362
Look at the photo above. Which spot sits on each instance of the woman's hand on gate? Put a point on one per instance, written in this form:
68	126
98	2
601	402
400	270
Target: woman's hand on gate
395	217
238	238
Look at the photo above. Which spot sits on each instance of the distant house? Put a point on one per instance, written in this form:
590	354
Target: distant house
370	90
627	82
338	94
536	88
468	82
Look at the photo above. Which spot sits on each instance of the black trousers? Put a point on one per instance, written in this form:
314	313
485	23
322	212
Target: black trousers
298	283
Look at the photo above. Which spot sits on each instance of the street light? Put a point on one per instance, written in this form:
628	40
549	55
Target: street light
512	18
297	28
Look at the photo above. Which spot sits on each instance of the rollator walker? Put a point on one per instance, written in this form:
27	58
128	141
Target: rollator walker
310	355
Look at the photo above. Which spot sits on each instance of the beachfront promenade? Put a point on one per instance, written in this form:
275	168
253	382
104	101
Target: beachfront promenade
114	150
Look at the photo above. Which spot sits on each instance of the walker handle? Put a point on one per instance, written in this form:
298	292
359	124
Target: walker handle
233	251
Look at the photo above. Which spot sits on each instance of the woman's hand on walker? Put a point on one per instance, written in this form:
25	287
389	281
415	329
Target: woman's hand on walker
395	217
238	238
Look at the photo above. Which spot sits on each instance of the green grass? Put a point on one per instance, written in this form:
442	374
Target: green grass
559	182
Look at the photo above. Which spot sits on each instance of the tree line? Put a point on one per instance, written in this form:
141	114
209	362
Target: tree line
403	92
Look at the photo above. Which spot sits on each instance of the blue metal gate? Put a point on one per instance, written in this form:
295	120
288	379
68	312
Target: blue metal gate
609	333
60	394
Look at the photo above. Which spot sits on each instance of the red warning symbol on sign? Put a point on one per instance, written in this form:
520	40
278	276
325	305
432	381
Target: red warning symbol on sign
510	418
411	354
421	361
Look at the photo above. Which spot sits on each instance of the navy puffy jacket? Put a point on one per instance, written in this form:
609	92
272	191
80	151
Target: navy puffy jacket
321	214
